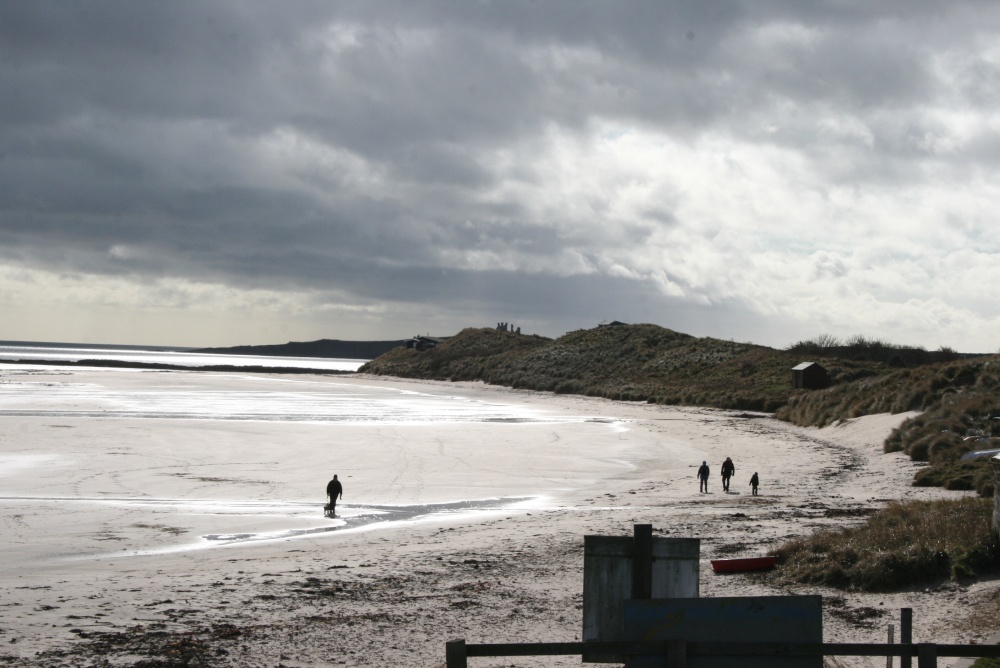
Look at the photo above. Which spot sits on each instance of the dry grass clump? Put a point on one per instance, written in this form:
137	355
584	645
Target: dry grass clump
957	423
960	422
976	475
905	544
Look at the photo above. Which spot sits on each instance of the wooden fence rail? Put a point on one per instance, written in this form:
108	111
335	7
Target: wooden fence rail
457	652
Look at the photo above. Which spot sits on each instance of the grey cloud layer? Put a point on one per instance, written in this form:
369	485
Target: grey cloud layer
559	162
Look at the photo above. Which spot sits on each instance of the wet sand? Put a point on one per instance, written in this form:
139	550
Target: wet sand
139	522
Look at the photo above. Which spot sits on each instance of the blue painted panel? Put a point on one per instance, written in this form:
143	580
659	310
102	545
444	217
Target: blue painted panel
727	619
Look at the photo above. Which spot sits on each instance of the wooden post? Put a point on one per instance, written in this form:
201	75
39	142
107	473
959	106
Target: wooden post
455	655
996	497
906	635
926	655
642	561
677	654
892	639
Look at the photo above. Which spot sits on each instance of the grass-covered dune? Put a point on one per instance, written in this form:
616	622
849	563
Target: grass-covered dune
624	362
959	404
958	383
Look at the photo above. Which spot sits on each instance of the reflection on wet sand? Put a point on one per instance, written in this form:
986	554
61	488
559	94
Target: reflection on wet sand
271	513
371	514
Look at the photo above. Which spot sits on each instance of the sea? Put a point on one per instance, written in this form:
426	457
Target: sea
254	397
187	357
254	480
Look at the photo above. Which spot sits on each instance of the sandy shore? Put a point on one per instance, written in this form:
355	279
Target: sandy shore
132	538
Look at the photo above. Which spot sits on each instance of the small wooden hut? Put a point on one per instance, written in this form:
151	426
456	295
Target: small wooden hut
810	376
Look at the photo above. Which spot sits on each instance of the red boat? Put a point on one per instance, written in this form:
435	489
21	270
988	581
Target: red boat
743	565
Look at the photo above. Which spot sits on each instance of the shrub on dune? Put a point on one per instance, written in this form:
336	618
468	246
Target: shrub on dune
905	544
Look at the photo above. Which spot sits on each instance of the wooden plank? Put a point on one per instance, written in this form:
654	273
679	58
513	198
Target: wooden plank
722	649
607	580
642	561
906	634
677	654
455	654
730	619
607	546
621	546
891	639
926	656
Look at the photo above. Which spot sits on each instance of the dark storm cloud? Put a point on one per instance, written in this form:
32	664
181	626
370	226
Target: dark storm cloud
537	157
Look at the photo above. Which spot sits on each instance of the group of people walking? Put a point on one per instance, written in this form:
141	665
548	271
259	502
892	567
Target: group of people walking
728	470
335	490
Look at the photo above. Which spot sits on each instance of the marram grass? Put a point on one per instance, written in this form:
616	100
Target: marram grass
903	545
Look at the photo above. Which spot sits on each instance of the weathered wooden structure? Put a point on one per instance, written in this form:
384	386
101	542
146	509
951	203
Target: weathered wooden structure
677	652
618	568
996	496
810	376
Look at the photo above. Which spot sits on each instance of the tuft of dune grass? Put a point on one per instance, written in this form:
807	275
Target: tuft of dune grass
904	545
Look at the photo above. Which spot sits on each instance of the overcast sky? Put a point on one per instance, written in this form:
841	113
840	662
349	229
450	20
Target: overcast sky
221	173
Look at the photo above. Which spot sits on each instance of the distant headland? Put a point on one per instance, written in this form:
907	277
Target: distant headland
352	350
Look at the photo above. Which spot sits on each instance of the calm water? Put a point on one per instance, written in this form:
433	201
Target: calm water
75	353
215	395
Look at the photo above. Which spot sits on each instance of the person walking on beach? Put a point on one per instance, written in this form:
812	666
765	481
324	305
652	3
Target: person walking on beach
754	482
334	490
728	469
703	474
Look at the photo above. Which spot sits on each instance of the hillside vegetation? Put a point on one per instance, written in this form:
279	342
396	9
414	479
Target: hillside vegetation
959	404
876	350
958	399
897	391
625	362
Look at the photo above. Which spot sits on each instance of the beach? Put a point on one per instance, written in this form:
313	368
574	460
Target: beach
142	522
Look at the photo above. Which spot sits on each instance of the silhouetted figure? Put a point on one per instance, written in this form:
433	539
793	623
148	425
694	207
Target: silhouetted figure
754	482
703	474
334	490
728	469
